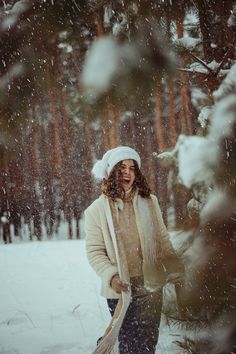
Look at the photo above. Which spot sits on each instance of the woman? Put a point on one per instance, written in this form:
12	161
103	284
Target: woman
128	246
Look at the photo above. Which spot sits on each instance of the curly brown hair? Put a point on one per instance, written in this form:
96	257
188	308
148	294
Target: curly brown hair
112	186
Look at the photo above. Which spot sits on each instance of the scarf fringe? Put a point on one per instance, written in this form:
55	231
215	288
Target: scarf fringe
106	345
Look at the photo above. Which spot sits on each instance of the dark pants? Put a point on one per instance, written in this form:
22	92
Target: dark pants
140	328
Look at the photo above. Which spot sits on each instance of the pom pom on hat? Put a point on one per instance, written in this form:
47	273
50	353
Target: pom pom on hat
99	169
103	167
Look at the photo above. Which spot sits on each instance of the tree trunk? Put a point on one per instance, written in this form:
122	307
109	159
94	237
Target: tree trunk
186	125
112	123
205	25
172	134
99	23
53	111
159	123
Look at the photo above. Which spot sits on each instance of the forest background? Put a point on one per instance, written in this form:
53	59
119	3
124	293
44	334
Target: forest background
78	78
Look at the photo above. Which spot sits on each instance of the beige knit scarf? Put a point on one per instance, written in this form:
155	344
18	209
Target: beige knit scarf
149	229
106	345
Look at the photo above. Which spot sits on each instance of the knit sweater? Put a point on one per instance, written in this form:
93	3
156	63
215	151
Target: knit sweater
130	236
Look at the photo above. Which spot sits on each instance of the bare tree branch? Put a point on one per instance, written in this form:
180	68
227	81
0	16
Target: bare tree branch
201	62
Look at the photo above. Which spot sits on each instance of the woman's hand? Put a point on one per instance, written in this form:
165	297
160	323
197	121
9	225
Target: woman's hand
117	285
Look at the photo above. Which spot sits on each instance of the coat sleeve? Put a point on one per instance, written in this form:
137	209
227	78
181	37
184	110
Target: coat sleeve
96	249
170	259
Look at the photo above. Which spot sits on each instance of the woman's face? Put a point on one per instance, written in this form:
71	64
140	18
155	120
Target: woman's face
128	174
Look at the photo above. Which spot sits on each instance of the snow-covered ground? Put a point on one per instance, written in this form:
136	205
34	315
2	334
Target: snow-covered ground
50	302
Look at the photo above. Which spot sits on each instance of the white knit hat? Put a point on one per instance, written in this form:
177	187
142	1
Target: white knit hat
103	167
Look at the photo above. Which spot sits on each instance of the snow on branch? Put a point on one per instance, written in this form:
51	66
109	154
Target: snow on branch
228	85
232	19
110	64
102	64
199	98
189	43
205	116
16	71
199	157
195	166
13	15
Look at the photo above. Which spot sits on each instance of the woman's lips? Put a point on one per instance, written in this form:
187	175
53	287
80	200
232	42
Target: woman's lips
126	181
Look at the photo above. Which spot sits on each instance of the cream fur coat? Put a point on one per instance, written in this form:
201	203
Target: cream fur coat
159	258
107	256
